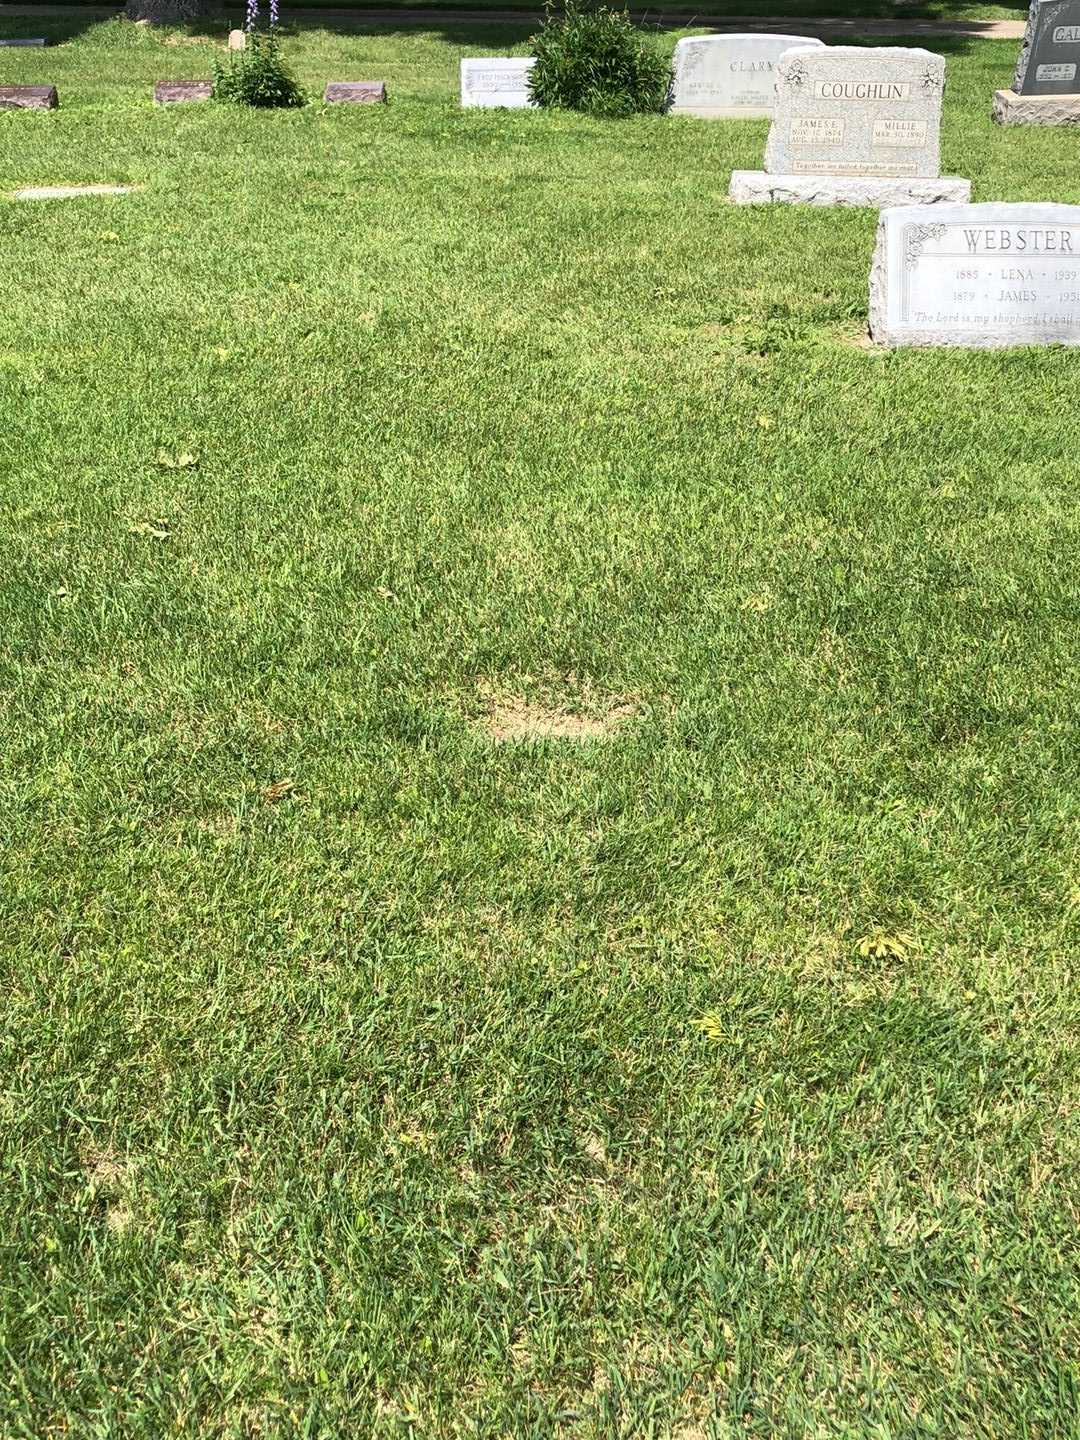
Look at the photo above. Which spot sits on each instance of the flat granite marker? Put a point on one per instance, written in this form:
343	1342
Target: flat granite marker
182	92
728	76
28	97
355	92
36	41
70	192
500	82
854	126
980	276
1045	90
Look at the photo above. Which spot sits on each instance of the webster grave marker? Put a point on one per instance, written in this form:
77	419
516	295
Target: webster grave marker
499	83
979	276
728	76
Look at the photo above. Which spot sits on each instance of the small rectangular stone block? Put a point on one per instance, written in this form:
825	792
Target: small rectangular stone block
758	187
355	92
728	76
28	97
502	82
37	41
181	92
1012	109
853	110
1050	52
978	276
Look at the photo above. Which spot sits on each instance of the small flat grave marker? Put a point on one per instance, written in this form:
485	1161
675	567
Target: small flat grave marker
182	92
502	82
28	97
729	76
978	276
38	40
1046	83
854	126
70	192
355	92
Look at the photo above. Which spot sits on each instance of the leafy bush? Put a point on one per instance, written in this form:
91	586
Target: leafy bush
596	60
257	75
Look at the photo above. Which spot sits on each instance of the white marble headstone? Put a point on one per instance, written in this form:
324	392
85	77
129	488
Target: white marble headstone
979	276
728	76
855	110
501	82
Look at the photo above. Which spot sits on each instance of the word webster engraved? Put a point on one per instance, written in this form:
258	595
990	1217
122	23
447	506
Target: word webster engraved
990	275
728	76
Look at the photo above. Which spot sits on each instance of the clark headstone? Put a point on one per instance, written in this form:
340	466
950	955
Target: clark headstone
978	276
728	76
499	83
1046	87
854	126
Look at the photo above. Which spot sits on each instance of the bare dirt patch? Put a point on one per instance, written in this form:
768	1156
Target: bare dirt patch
579	716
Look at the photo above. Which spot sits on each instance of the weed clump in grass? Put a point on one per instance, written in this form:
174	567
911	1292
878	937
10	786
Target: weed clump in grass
257	76
596	60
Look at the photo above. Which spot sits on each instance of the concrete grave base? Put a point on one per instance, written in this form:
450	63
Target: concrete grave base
757	187
28	97
355	92
1012	109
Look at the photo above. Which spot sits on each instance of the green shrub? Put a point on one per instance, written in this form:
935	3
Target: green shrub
596	60
257	75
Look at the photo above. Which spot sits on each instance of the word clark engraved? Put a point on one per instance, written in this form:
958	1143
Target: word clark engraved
728	76
978	276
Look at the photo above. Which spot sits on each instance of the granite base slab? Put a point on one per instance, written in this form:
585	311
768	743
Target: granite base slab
1012	109
758	187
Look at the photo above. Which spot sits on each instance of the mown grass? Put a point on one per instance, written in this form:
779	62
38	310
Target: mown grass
364	1075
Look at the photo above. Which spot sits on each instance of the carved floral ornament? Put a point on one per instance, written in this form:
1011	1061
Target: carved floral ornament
915	237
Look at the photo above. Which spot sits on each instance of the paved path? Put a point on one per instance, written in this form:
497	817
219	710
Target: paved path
825	28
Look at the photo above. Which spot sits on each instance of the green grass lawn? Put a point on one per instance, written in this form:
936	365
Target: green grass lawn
711	1072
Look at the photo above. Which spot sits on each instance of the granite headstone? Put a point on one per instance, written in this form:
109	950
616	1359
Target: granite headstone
979	276
355	92
28	97
1050	53
847	110
182	92
501	82
1046	84
728	76
854	126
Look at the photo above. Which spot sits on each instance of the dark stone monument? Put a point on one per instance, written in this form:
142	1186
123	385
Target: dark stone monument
1046	87
180	92
355	92
28	97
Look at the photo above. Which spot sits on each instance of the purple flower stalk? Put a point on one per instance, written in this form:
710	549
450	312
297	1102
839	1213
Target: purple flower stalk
252	15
